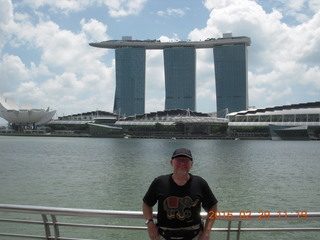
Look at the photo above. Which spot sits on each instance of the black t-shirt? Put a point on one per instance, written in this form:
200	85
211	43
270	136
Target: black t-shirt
179	206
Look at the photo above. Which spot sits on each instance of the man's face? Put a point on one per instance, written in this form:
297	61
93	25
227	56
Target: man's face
181	164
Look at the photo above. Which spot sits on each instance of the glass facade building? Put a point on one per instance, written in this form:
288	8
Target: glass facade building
180	78
230	62
130	81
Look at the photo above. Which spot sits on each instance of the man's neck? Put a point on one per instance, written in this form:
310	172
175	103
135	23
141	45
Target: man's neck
180	178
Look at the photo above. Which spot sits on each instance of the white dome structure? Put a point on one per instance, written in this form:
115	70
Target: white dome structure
24	115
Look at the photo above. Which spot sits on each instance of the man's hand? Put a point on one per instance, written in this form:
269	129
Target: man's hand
152	228
153	231
204	235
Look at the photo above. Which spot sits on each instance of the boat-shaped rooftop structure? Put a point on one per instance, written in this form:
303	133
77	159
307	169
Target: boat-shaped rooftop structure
157	44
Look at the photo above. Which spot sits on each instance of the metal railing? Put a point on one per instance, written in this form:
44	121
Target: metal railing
51	228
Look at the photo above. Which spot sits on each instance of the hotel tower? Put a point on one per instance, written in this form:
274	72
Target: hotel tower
230	64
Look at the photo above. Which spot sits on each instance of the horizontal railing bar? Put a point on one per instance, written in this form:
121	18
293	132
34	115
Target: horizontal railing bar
63	238
70	211
20	221
66	238
100	226
218	215
248	216
224	216
22	236
213	229
268	229
74	224
39	237
145	228
60	238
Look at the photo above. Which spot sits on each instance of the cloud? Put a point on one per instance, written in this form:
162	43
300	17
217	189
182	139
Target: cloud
314	5
173	12
13	71
6	16
155	86
311	78
6	13
94	30
117	8
122	8
154	104
280	56
299	10
68	74
64	6
205	76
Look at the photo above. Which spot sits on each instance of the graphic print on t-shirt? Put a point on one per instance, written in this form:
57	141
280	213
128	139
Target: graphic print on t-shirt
179	207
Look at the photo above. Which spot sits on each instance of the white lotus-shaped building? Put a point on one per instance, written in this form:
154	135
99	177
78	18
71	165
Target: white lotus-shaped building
24	115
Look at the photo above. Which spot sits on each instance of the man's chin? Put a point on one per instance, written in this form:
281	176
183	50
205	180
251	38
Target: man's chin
182	171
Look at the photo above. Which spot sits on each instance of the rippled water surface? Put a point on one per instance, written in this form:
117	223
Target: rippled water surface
114	174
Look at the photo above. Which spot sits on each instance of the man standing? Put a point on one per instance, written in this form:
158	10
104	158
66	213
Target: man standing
180	196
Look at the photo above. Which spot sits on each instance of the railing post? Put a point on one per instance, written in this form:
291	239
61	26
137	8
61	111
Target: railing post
55	227
229	230
46	226
239	228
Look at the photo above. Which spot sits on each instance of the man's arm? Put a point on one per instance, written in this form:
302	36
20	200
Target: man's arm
152	228
205	235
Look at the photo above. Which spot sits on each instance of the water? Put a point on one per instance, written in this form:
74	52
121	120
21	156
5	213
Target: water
114	174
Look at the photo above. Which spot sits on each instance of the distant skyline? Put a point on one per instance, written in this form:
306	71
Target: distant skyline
46	59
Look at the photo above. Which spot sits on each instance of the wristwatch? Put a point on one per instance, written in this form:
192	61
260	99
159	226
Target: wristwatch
148	220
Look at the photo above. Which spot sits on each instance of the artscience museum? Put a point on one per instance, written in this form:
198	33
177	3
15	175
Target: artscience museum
24	116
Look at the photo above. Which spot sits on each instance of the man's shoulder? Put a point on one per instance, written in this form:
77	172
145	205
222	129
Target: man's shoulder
197	178
161	180
163	177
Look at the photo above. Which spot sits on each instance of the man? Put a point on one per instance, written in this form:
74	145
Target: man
179	196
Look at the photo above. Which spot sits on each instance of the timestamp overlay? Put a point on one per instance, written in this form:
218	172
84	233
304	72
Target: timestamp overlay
246	215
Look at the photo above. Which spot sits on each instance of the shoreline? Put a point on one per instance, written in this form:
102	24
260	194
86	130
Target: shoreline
88	135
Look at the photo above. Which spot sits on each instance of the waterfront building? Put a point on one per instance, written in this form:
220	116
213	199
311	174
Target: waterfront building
230	56
130	81
231	74
25	116
177	123
180	78
296	121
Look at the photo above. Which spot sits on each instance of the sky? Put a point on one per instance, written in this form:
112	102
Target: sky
46	60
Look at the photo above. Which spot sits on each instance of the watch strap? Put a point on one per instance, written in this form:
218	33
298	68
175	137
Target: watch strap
148	220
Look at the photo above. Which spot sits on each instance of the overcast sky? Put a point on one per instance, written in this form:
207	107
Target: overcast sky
46	60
